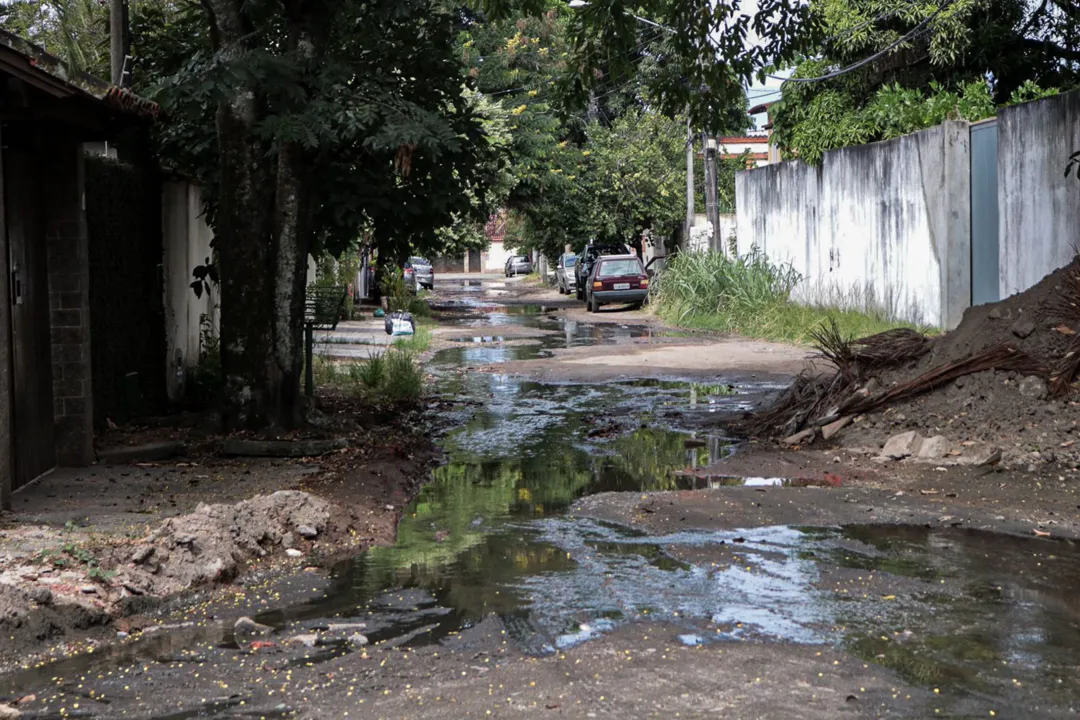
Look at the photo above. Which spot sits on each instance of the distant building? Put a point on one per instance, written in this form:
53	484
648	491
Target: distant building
757	144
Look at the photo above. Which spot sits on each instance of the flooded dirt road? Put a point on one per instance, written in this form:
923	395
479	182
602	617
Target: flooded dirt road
512	591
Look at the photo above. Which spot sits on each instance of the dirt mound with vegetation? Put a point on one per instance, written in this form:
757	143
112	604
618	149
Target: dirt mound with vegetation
1003	379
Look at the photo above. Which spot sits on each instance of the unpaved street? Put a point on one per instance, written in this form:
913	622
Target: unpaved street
596	545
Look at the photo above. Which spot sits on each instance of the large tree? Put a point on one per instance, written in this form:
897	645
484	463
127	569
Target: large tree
312	122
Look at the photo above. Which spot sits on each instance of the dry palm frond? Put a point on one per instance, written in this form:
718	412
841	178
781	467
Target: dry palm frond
889	348
1004	356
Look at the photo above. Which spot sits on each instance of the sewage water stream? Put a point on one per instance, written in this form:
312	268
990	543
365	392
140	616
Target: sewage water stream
996	620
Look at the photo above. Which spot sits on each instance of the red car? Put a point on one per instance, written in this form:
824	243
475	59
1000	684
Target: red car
617	279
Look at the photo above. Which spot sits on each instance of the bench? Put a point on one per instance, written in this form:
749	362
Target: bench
324	306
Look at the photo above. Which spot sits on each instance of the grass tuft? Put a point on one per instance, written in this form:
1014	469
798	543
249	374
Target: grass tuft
751	296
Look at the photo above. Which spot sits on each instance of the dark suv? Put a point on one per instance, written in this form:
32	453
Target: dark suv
588	258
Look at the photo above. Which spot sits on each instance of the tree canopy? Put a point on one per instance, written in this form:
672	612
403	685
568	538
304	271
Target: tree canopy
917	64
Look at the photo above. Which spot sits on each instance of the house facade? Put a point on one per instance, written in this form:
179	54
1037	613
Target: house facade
46	398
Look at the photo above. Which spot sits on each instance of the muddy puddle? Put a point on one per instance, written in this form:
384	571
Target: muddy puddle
991	621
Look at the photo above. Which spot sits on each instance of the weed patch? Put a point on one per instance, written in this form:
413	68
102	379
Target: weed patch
751	296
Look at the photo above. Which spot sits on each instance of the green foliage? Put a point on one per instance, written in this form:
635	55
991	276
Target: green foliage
205	380
700	62
703	283
751	296
937	74
404	376
69	555
394	376
76	31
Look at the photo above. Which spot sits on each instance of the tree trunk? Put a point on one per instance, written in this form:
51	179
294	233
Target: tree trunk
263	233
292	228
243	236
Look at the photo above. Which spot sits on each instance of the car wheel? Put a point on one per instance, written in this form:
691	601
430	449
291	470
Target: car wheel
636	305
594	304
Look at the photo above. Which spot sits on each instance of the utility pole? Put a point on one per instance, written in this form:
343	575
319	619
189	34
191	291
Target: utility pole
712	207
689	180
116	41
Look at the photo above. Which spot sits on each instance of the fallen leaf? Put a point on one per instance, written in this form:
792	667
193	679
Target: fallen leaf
1065	330
1041	533
928	492
888	597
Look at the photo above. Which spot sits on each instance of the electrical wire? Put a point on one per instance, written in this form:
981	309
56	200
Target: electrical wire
915	31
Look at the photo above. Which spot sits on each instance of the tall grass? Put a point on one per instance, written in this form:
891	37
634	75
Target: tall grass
394	375
751	296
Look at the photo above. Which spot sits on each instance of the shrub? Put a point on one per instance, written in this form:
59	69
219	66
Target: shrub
404	376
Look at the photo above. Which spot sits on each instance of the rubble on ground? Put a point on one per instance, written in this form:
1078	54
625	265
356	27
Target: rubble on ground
54	576
998	388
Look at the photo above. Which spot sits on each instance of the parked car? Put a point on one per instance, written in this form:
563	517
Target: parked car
518	265
565	280
617	279
588	258
418	274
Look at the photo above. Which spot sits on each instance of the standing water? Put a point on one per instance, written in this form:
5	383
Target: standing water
996	620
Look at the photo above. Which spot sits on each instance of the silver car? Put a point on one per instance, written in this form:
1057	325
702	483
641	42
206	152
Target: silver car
565	278
518	265
418	274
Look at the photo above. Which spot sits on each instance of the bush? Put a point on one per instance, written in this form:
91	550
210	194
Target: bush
404	376
370	372
706	283
750	296
394	375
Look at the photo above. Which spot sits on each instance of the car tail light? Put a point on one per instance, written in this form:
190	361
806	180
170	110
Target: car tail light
597	285
645	282
409	271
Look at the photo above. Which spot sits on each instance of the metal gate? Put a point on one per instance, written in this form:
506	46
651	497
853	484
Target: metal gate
32	392
985	286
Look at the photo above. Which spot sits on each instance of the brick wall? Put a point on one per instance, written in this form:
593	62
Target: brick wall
69	308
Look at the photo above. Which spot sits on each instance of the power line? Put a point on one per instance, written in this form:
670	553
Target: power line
917	30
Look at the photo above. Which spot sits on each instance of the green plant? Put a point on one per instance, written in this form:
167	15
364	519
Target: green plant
752	296
416	343
370	372
393	289
404	376
205	379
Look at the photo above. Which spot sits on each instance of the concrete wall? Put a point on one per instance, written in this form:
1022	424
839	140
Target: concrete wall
187	244
495	257
1038	207
884	225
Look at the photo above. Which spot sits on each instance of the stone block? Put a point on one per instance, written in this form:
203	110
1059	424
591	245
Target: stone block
934	448
902	446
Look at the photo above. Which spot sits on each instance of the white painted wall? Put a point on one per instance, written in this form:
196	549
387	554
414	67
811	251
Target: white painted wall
884	225
495	257
186	239
1038	207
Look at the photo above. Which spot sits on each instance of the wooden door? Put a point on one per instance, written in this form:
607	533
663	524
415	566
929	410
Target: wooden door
32	392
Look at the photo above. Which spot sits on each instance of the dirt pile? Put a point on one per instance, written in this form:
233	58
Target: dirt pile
214	542
1003	377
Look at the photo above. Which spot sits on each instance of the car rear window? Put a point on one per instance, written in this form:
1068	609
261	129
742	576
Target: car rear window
620	268
521	258
419	261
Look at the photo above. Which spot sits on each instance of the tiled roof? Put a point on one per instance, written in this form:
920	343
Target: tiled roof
52	70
